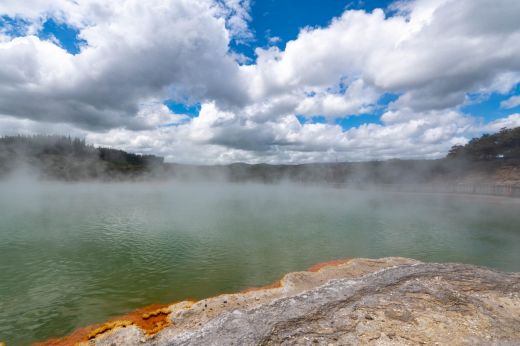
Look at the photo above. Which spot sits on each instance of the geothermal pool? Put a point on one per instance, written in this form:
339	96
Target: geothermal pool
76	254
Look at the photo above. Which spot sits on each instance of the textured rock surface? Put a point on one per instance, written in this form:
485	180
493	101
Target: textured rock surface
388	301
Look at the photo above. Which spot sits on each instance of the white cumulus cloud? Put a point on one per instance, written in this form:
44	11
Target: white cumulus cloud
428	54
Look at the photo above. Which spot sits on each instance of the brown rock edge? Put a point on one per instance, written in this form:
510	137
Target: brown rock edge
152	318
390	301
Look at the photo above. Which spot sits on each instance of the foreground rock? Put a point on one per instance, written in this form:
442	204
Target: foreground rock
388	301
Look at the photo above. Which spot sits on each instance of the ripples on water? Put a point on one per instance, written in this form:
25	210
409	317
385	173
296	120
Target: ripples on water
72	255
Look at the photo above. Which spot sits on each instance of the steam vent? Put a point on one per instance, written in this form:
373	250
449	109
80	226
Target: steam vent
390	301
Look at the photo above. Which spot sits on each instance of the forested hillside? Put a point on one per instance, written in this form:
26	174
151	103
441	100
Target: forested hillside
501	146
68	158
491	158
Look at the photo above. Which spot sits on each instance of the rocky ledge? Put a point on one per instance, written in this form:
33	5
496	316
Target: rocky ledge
385	302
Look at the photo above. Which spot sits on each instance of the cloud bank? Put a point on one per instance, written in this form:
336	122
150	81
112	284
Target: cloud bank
409	71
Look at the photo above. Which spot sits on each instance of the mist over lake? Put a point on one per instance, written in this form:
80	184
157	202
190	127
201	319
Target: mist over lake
75	254
165	163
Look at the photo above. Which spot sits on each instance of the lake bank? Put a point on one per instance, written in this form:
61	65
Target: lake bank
393	300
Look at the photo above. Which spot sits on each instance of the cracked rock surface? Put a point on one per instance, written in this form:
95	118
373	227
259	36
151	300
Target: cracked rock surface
391	301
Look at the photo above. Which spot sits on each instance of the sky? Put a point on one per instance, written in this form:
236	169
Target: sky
272	81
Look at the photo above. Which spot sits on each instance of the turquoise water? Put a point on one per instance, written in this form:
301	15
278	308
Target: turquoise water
73	255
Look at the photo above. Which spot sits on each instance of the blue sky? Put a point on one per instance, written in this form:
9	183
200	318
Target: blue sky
285	18
425	75
51	29
66	35
487	106
281	19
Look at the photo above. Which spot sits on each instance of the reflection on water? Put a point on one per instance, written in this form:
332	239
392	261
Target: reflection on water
73	255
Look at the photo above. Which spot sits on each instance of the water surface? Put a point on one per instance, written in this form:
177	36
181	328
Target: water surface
76	254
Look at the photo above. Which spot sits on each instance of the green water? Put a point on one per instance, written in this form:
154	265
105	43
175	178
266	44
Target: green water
73	255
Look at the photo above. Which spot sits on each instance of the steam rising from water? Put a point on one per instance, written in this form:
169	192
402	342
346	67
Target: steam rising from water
72	254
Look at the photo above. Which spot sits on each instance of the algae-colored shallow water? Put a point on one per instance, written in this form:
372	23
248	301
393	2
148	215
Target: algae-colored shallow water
77	254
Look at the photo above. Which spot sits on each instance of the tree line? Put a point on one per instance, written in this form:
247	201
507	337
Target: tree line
64	158
503	145
69	158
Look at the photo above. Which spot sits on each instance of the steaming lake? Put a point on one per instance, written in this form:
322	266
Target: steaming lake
73	255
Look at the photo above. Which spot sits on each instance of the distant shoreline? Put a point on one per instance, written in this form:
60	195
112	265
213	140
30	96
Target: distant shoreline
490	159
